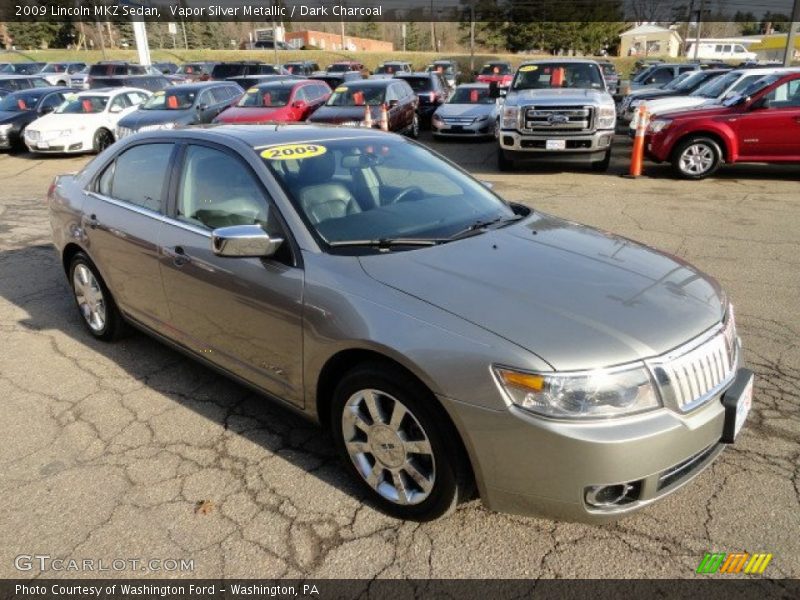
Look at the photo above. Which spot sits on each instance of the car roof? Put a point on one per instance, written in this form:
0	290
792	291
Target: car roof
6	77
281	83
559	59
197	85
110	91
368	82
262	135
44	90
478	85
425	74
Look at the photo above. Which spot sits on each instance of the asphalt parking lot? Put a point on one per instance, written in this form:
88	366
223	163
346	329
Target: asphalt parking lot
132	451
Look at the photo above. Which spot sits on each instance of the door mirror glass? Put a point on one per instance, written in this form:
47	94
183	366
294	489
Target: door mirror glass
394	102
759	104
116	108
243	241
47	109
202	107
301	104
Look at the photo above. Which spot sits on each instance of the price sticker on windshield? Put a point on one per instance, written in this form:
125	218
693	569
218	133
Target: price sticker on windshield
293	151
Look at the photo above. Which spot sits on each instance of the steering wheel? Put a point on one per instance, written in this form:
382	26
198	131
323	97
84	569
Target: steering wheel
403	195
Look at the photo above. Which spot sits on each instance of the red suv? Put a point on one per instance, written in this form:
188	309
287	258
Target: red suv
284	101
760	124
500	72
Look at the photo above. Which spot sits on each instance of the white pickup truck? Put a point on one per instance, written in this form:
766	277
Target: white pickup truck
557	110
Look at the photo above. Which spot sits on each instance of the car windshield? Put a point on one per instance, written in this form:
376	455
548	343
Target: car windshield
171	100
28	68
673	85
21	101
416	195
54	68
715	87
557	75
749	88
419	84
356	95
608	69
267	96
688	81
190	69
447	69
388	69
495	69
642	75
471	95
338	68
83	104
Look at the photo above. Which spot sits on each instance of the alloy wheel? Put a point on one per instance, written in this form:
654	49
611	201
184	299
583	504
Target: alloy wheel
388	447
89	296
697	159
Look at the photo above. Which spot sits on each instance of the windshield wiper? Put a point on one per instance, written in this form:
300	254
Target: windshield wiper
477	226
385	242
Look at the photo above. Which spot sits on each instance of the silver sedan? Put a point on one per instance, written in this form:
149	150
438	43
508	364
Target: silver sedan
470	112
448	339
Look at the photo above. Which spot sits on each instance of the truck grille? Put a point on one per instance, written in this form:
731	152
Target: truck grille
698	371
554	119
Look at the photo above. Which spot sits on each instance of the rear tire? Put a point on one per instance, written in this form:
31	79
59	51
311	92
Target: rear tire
95	303
103	138
696	157
413	131
395	441
503	162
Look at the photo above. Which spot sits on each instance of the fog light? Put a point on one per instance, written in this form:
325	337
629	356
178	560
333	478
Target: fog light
611	496
508	140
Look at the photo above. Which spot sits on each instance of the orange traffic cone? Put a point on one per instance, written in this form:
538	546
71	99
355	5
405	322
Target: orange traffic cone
367	116
384	118
637	155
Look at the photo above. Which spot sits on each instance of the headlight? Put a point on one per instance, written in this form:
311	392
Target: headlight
5	128
606	117
510	117
602	393
482	118
657	125
437	118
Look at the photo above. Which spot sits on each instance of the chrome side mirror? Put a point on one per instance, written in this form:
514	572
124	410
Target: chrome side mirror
243	241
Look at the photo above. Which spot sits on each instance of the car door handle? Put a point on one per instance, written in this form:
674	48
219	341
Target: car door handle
178	256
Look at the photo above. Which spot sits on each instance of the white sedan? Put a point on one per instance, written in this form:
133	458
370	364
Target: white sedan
85	122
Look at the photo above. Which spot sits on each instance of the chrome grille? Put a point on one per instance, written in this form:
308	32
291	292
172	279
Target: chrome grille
458	120
570	119
696	372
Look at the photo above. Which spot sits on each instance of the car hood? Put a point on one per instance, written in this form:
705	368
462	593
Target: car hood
576	297
555	96
660	105
465	110
12	117
339	114
700	111
62	121
141	118
239	114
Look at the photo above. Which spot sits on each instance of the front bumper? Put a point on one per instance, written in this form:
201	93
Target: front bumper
475	130
529	465
587	148
61	145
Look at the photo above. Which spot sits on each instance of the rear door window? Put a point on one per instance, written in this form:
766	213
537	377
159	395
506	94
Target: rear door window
139	176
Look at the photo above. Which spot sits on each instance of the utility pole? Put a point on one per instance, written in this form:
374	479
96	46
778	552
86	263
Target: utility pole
433	30
697	30
342	34
791	36
472	38
102	41
275	41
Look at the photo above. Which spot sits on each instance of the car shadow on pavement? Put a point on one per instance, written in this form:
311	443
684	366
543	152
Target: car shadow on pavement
35	290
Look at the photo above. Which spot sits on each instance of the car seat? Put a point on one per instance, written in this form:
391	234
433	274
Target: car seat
322	198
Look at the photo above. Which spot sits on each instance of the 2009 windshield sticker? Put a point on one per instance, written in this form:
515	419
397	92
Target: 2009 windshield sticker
293	151
252	90
526	68
340	89
158	93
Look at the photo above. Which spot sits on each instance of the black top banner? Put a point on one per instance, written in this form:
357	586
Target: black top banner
387	10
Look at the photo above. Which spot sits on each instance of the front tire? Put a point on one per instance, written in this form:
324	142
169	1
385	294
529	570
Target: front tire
413	131
395	442
103	138
602	165
94	301
504	163
696	157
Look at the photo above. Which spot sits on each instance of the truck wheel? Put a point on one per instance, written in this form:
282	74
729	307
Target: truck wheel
602	166
395	443
503	162
696	157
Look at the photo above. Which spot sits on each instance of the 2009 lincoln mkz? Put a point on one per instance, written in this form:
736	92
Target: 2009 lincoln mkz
448	339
